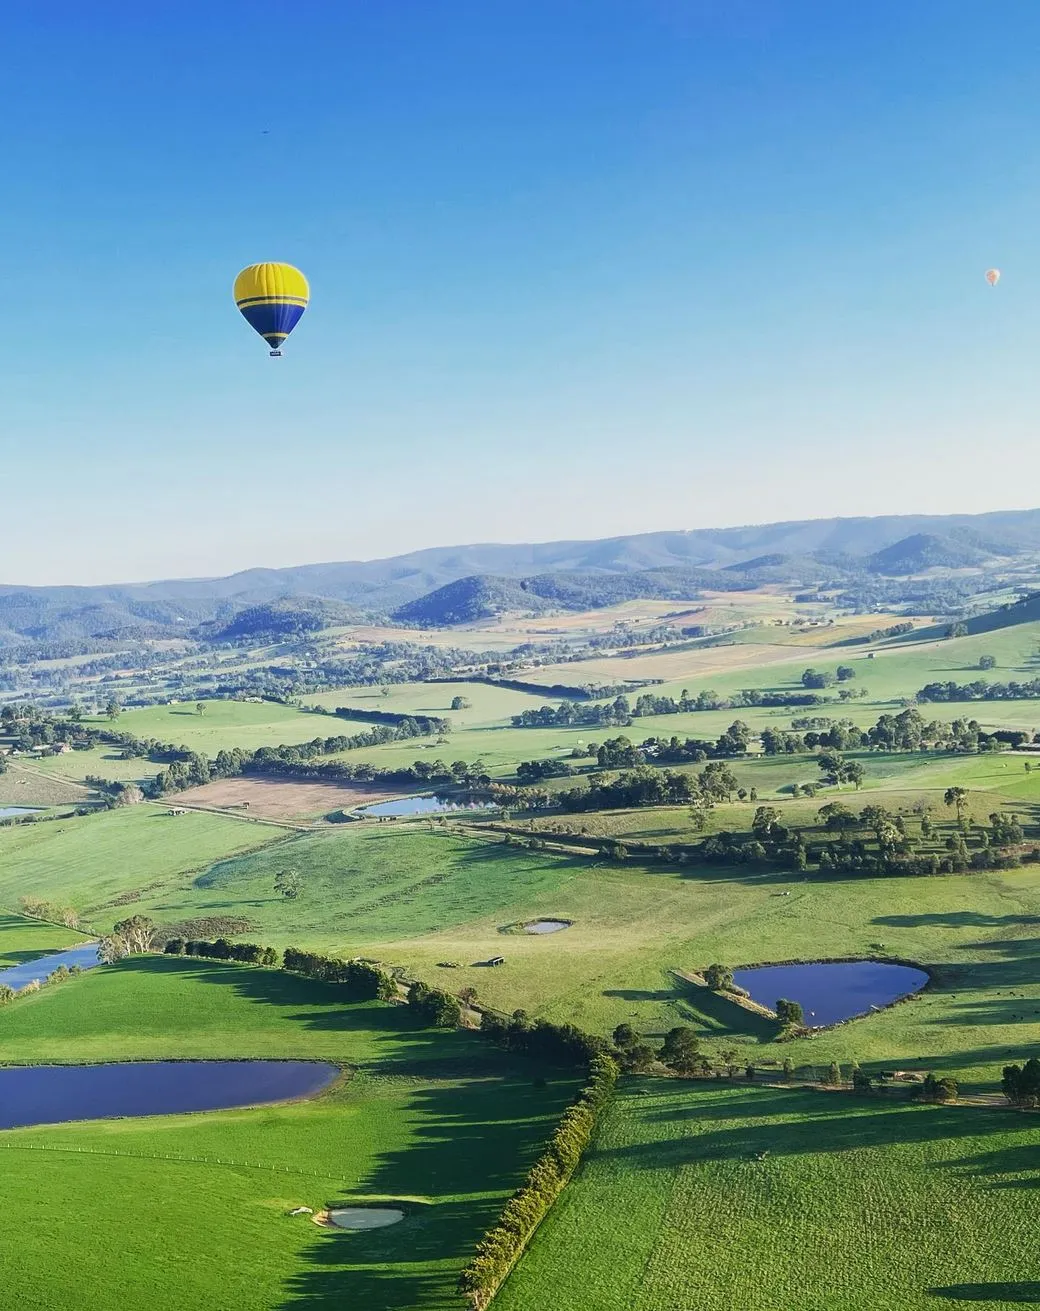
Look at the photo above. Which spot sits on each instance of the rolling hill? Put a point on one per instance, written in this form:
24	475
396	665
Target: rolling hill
563	572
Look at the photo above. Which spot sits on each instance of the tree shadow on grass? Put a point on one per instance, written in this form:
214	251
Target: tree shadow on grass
960	919
1028	1291
747	1123
402	1046
469	1148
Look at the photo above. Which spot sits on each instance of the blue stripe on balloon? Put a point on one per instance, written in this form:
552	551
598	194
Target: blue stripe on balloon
272	319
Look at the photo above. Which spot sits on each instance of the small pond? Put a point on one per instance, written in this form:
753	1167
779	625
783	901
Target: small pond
831	991
365	1217
420	806
546	926
53	1094
17	976
12	812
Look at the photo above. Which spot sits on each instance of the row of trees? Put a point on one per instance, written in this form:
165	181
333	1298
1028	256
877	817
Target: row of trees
980	690
501	1246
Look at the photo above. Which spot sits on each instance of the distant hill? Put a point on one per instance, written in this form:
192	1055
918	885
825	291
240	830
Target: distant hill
791	552
481	596
920	551
276	620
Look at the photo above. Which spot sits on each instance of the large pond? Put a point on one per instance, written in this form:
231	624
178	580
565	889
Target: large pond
53	1094
831	991
17	976
12	812
420	806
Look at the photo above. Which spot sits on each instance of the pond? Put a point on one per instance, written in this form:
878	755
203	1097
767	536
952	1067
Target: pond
53	1094
12	812
420	806
546	926
17	976
831	991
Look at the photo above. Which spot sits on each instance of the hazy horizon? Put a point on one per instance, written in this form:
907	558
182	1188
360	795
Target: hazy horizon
575	274
490	542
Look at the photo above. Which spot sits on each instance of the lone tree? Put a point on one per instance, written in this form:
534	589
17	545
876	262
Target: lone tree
624	1037
987	662
287	882
718	978
134	935
680	1051
200	707
113	710
790	1012
957	797
460	703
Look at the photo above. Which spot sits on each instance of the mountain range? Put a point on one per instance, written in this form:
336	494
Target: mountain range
424	586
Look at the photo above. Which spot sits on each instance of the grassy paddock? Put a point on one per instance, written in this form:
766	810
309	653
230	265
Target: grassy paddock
182	1213
856	1204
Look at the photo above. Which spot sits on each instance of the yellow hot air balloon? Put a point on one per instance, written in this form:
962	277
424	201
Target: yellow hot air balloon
993	276
272	298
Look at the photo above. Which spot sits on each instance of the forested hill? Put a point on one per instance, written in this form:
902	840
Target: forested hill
560	573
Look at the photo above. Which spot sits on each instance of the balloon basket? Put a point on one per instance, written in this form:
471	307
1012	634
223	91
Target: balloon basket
276	355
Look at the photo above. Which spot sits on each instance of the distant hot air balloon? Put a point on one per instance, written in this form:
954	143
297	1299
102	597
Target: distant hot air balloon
272	298
993	276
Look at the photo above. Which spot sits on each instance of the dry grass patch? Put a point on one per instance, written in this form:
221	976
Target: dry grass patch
284	799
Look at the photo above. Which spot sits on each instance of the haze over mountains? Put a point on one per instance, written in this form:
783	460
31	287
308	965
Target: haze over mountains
453	584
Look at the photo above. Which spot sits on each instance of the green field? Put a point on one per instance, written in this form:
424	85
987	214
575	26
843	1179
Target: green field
179	1212
91	861
859	1205
413	897
224	724
24	940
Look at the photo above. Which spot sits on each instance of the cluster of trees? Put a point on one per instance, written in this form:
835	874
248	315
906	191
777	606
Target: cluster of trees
37	909
60	975
1020	1084
500	1247
361	980
820	678
434	1008
617	712
553	1044
906	731
980	690
249	953
533	771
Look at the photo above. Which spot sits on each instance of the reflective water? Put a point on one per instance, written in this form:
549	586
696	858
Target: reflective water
52	1094
11	812
419	806
831	991
17	976
546	926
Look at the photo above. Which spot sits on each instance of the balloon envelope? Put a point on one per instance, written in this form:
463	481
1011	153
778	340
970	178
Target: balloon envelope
993	276
272	298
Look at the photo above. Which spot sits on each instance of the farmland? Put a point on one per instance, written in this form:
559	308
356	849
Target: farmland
858	1205
177	1211
439	897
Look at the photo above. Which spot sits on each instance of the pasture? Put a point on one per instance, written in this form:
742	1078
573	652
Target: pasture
192	1210
416	896
857	1203
99	863
223	724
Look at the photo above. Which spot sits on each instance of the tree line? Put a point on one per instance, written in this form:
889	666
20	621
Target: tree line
501	1246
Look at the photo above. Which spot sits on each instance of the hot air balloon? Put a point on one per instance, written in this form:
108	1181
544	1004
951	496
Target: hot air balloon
993	276
272	298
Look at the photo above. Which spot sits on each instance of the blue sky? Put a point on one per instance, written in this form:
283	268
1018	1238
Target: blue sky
577	269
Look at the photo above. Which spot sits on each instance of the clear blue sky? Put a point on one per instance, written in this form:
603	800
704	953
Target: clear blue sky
578	267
